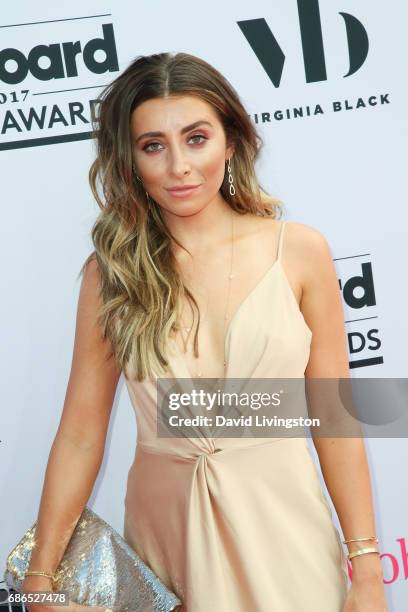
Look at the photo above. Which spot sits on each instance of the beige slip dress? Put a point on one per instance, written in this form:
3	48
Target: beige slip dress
237	524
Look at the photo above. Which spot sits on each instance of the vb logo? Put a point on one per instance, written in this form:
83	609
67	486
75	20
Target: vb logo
272	58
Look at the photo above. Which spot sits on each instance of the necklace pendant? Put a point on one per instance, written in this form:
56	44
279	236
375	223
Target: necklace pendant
231	276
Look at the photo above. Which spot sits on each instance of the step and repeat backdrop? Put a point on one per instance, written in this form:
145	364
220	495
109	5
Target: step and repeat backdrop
325	83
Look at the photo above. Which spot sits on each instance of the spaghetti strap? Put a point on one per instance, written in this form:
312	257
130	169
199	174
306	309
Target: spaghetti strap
278	257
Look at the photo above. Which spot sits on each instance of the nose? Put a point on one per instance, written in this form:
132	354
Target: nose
179	163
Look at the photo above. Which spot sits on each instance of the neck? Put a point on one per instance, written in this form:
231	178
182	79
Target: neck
203	230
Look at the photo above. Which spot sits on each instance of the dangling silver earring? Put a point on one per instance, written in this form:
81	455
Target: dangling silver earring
230	179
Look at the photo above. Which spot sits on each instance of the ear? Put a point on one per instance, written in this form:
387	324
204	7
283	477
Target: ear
229	152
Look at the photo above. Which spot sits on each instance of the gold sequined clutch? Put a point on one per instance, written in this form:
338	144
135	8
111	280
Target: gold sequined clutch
98	568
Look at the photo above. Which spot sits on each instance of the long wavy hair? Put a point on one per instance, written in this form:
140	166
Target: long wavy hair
141	291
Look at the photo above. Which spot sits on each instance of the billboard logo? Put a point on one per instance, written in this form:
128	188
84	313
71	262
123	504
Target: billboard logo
61	59
48	85
359	294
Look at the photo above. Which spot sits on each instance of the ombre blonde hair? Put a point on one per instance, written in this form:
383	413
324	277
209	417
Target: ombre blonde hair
141	291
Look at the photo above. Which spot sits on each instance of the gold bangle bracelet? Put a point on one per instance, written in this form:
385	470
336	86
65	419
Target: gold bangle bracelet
363	551
39	573
360	540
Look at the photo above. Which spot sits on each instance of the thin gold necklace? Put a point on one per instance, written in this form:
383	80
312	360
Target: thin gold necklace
198	373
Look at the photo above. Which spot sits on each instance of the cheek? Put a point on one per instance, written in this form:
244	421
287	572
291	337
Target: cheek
212	166
150	169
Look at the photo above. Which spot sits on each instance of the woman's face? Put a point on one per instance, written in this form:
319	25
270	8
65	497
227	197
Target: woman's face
179	141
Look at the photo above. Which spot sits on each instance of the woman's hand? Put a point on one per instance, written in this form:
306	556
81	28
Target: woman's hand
367	595
42	583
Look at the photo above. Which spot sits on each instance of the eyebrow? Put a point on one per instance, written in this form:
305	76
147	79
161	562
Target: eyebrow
183	130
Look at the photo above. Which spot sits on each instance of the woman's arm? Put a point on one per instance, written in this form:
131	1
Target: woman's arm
77	451
343	460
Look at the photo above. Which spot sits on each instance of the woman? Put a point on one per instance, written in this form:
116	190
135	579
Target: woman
186	232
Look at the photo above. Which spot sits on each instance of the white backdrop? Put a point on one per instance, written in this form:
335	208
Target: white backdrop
342	171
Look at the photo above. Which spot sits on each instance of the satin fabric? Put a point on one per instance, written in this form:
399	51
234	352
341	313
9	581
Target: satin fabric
237	524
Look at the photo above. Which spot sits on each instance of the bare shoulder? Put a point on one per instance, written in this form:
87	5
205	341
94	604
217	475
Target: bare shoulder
307	239
89	298
305	255
308	250
91	274
301	237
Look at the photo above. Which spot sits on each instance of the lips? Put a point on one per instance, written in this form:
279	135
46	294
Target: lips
183	191
182	187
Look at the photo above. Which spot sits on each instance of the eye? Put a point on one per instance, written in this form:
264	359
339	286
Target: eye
146	147
198	136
